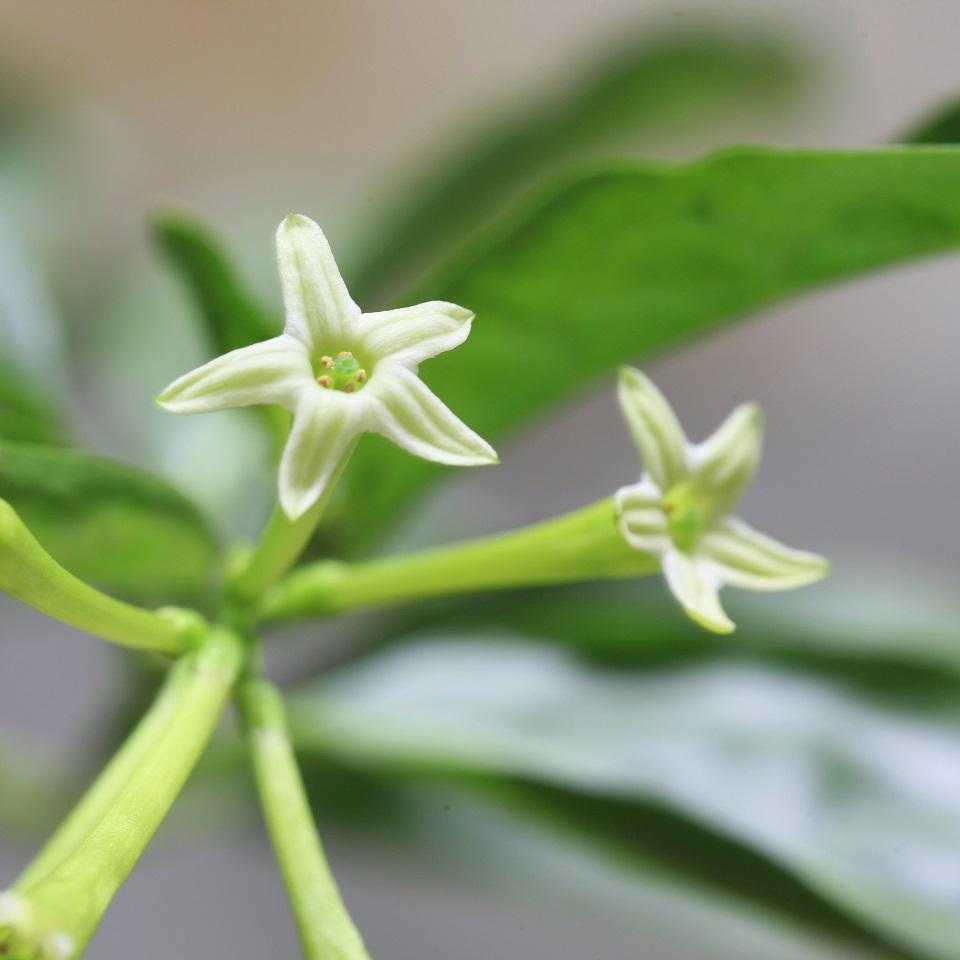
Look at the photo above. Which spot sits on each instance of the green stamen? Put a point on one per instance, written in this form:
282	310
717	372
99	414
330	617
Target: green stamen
688	514
343	372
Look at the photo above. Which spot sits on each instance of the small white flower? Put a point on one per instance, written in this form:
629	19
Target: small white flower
339	371
681	510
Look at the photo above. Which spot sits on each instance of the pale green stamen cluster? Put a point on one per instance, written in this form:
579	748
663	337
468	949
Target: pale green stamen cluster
343	372
689	512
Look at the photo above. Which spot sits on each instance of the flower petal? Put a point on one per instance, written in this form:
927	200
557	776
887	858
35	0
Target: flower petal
725	464
319	311
411	335
744	557
654	427
325	425
269	372
641	519
410	415
696	587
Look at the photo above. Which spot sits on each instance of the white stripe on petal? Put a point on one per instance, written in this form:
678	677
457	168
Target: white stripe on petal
325	425
319	311
641	519
411	335
744	557
654	427
725	463
697	590
273	371
410	415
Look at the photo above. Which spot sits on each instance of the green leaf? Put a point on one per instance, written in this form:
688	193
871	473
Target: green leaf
859	804
646	83
676	884
627	259
230	315
942	126
887	634
123	530
24	413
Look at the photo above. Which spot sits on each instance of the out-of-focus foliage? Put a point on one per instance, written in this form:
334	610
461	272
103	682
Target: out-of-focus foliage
649	83
120	528
24	414
940	127
230	316
30	798
619	262
229	313
634	863
793	766
649	254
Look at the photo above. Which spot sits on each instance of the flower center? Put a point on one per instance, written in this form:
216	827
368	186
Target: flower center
343	372
689	513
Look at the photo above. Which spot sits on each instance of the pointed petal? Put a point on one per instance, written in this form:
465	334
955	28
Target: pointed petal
724	465
411	335
325	426
654	427
410	415
697	590
641	519
744	557
319	311
273	371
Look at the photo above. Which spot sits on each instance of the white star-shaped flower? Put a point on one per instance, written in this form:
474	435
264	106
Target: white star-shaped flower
340	372
681	510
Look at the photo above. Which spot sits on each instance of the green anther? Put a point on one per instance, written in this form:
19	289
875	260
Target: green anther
343	372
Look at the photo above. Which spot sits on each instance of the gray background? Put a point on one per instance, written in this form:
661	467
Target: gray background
297	105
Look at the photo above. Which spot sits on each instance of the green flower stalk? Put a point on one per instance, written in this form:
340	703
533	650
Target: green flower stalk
325	928
31	575
54	911
583	545
676	519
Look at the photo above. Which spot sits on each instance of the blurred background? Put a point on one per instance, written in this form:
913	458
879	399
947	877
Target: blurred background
244	111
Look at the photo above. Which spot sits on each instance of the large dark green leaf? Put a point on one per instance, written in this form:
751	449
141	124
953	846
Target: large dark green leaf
122	529
862	805
647	83
627	259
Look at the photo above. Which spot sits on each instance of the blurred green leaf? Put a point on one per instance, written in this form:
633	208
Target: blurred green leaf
683	886
940	127
646	83
627	259
230	315
862	805
124	530
24	414
889	635
32	796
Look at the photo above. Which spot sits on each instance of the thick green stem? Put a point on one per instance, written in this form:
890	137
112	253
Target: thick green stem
30	574
583	545
325	928
282	543
67	900
115	776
